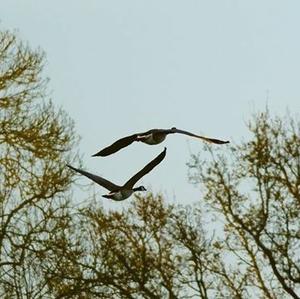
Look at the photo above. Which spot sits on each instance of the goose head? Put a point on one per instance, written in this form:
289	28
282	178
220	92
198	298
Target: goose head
140	188
173	129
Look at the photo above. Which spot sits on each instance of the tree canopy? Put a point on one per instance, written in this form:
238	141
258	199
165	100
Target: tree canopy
256	191
35	142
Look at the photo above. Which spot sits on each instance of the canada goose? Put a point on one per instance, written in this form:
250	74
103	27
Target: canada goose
154	136
122	192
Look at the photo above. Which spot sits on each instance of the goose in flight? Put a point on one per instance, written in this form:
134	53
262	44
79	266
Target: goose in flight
154	136
119	193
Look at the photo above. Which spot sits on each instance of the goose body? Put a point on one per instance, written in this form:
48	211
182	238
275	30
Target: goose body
121	194
151	137
117	192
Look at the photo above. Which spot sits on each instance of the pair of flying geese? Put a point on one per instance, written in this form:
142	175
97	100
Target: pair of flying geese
151	137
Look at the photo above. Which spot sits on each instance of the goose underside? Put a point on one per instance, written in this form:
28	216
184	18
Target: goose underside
118	195
153	139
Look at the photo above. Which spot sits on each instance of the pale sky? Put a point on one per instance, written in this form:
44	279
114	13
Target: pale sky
121	66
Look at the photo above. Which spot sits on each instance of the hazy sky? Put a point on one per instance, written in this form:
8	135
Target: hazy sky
120	67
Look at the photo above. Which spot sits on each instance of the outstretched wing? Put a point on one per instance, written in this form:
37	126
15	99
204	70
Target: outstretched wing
119	144
131	182
211	140
97	179
116	146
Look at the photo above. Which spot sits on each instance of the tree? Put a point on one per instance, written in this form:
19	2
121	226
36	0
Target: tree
157	250
256	191
150	250
35	143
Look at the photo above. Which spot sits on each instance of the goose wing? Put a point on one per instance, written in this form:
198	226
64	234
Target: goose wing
211	140
97	179
119	144
131	182
116	146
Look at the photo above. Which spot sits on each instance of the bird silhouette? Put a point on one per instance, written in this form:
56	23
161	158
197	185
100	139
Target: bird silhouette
117	192
152	137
